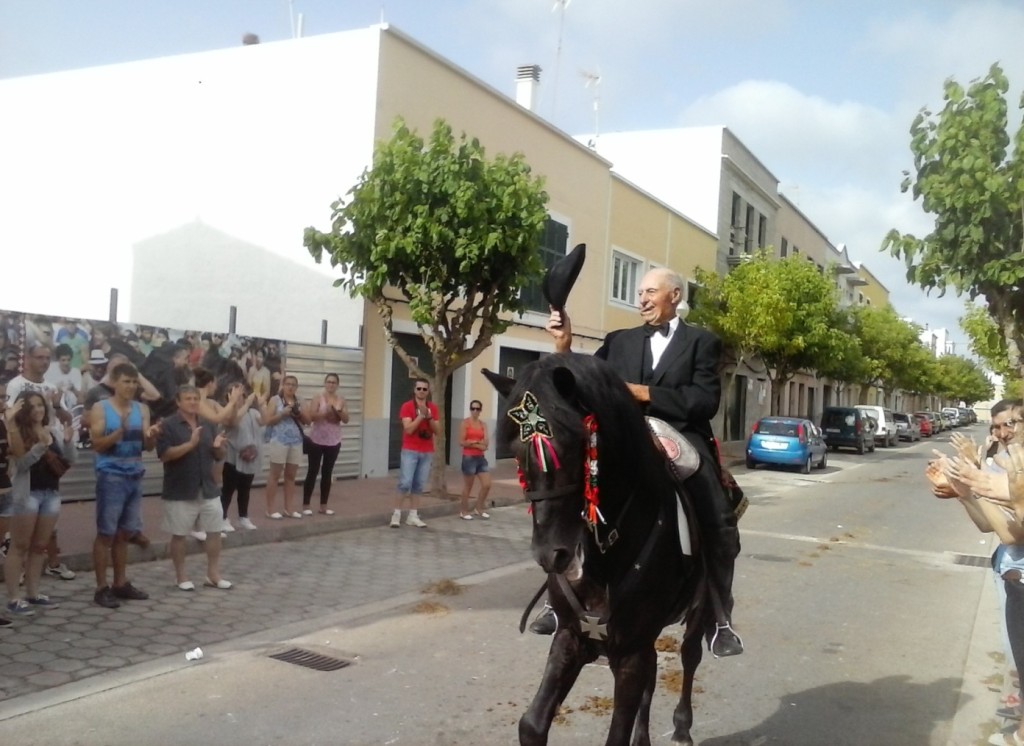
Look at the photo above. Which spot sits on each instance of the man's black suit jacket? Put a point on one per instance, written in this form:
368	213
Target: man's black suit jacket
685	388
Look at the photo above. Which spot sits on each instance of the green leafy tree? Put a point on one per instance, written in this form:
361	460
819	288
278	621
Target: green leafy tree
963	380
846	364
969	180
440	227
988	343
891	348
781	312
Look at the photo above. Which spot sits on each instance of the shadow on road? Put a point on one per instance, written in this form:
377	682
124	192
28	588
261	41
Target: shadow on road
886	712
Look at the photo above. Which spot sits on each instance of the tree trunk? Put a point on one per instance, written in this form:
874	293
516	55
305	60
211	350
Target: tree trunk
438	482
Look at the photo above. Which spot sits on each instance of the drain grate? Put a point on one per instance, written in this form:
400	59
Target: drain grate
972	560
309	659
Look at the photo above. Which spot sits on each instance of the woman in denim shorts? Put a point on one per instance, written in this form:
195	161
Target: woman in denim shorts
473	439
35	449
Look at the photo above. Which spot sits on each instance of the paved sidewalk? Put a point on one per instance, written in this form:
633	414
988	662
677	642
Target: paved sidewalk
357	503
286	571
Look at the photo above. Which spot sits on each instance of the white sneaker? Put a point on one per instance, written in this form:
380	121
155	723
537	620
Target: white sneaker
414	520
307	511
198	535
60	571
246	524
396	519
227	528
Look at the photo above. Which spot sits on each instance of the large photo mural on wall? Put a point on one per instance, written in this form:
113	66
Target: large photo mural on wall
82	351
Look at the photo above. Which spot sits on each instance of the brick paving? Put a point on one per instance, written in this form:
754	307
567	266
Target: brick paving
288	571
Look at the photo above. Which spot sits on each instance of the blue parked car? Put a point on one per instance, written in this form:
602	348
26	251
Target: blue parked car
790	441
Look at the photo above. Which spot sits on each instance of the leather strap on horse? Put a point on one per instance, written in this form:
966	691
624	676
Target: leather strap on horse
529	606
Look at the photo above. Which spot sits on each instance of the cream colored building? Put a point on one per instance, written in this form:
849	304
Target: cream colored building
188	181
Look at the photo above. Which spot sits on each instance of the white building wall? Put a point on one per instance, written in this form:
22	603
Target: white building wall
254	141
681	167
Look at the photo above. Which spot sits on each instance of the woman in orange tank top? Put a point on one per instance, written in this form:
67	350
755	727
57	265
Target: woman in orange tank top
473	439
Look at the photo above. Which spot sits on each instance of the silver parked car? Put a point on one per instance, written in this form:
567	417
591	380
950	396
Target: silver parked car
907	427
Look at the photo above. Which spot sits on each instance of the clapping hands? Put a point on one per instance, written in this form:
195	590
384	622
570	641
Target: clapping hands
966	448
1013	462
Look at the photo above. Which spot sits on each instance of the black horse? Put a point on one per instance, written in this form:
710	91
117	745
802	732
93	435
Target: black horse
605	530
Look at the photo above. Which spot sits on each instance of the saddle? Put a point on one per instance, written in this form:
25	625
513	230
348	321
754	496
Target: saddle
682	457
684	460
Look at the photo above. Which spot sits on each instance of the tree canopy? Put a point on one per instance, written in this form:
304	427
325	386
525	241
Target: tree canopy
971	182
893	354
438	226
781	311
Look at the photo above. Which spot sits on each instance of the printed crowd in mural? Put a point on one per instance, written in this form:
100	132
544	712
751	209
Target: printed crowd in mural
82	351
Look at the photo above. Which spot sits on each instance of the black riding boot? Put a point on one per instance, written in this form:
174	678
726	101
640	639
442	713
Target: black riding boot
546	622
721	554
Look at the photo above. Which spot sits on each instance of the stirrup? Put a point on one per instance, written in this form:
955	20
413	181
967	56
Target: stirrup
719	628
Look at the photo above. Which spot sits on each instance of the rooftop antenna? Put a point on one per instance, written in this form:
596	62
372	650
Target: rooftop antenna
560	6
593	80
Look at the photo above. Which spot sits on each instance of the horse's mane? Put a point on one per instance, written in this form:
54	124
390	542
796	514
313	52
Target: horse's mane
625	450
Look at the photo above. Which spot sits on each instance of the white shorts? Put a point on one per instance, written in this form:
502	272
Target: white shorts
183	516
282	454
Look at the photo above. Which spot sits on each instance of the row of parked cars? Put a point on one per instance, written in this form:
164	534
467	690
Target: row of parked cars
796	441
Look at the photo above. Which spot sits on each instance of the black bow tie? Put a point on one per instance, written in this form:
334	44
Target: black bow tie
663	329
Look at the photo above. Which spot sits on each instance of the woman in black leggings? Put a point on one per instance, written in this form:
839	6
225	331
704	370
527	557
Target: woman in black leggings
328	412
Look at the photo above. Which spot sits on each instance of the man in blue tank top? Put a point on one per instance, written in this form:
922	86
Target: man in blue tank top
120	431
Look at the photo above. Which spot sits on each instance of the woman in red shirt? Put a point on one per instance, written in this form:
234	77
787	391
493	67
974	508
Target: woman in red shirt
473	438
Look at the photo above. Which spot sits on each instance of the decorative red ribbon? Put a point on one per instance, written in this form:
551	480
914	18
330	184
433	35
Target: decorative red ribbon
591	512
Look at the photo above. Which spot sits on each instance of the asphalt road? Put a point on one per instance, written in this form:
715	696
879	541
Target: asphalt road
862	627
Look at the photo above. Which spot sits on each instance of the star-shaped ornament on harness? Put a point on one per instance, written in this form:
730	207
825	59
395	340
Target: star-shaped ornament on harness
527	415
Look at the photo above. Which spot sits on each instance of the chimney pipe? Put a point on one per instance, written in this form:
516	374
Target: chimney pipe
527	80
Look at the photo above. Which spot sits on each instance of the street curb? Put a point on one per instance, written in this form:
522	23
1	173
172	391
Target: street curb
975	718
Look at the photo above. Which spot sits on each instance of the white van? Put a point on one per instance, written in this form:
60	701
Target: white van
887	433
954	414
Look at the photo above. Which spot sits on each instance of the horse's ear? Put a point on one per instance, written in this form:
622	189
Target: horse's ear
502	384
565	383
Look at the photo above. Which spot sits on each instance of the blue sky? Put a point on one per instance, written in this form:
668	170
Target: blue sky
822	91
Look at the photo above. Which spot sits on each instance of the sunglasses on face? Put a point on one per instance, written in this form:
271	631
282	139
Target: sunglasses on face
422	388
474	409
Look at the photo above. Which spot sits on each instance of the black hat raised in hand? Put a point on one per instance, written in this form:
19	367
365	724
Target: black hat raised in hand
558	280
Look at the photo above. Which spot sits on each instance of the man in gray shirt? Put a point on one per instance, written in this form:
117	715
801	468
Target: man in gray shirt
187	447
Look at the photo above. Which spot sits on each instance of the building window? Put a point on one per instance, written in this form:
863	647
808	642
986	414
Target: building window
692	289
762	232
735	228
783	248
553	243
795	250
624	275
748	237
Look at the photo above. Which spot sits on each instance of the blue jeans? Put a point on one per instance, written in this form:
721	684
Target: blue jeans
39	502
414	471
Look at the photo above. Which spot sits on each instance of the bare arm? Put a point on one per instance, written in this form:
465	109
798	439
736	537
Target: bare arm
148	390
97	420
559	326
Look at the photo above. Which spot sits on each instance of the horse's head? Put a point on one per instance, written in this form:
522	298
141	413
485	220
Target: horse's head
545	428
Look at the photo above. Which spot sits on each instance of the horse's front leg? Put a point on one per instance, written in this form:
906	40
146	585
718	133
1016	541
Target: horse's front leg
566	658
642	728
634	676
691	653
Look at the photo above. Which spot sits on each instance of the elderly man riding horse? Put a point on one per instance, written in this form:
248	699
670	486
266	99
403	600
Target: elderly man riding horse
671	368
